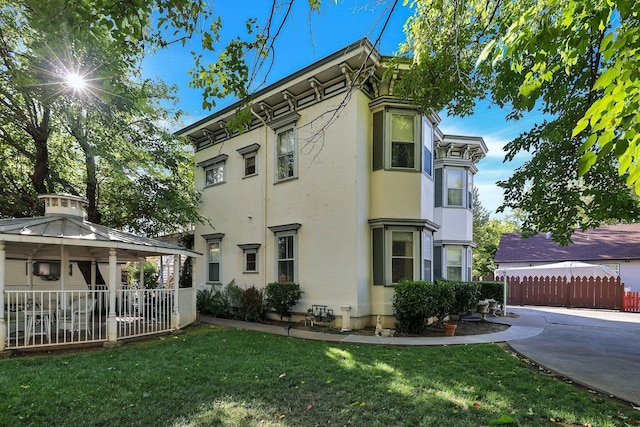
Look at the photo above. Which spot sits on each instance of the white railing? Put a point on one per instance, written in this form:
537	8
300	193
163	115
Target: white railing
48	318
143	311
187	306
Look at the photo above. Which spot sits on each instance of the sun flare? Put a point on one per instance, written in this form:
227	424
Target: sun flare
76	81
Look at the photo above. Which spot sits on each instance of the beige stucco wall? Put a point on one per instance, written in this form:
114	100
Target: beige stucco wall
332	208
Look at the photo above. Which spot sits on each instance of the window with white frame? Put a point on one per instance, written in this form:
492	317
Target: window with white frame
213	261
402	254
427	250
214	174
455	187
454	257
250	257
214	170
286	252
397	255
286	152
427	147
403	139
286	260
249	160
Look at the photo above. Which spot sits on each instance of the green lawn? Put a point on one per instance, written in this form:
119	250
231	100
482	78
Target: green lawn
214	376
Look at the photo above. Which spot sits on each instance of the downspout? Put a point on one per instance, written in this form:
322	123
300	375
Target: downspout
264	227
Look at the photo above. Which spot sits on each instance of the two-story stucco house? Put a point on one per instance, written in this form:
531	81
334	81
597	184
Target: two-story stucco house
337	185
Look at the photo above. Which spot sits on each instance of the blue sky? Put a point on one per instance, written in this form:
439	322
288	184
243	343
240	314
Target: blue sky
309	37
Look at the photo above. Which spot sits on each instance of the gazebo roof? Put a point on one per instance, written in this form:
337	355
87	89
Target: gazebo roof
42	237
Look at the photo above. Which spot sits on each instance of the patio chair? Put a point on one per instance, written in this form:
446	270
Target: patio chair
78	317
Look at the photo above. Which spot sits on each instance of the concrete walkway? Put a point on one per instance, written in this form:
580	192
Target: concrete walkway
596	348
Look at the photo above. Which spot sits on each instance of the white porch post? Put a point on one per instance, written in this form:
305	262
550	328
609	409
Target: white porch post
141	274
161	271
175	319
3	326
112	324
30	273
93	274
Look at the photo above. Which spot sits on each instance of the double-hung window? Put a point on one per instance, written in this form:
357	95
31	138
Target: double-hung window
455	187
427	147
399	253
213	260
397	141
403	140
454	263
286	252
286	152
402	254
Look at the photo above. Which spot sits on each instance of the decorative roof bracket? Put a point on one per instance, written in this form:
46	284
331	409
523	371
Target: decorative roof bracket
291	99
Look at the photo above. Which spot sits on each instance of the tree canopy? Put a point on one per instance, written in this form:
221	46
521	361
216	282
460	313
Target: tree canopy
576	62
105	137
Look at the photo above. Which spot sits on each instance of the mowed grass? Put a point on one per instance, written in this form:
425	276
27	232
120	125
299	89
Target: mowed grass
223	377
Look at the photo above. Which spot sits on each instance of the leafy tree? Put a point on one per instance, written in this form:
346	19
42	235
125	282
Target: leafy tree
574	61
487	232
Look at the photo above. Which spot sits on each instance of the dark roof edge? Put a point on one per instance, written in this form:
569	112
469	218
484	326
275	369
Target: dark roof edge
364	42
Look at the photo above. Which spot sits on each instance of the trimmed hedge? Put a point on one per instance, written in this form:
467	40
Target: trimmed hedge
414	302
467	295
492	290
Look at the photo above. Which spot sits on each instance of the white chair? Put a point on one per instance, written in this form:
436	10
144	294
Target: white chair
78	317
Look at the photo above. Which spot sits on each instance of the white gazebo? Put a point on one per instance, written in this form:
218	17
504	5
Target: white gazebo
42	302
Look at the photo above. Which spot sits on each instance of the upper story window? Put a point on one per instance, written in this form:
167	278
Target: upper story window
403	140
397	140
427	147
214	170
454	187
286	152
214	174
249	159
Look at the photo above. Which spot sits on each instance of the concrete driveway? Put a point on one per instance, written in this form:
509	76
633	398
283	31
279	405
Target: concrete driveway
596	348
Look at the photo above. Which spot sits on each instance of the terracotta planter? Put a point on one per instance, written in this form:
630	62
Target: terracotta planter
449	329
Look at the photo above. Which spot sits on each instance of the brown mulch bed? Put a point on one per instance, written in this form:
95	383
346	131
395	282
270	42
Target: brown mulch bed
470	326
464	328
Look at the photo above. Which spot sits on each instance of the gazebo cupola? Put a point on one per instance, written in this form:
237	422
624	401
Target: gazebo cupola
64	205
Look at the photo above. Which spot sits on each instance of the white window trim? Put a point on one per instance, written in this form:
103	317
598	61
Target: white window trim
247	249
427	254
445	189
417	139
219	242
247	152
293	129
427	129
253	155
278	235
417	254
215	166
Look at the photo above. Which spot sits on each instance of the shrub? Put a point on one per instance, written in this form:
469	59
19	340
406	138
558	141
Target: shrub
414	302
251	305
492	290
281	297
467	295
212	301
410	305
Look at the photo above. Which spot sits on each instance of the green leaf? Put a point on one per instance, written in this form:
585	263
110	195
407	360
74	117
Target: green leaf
580	126
587	160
